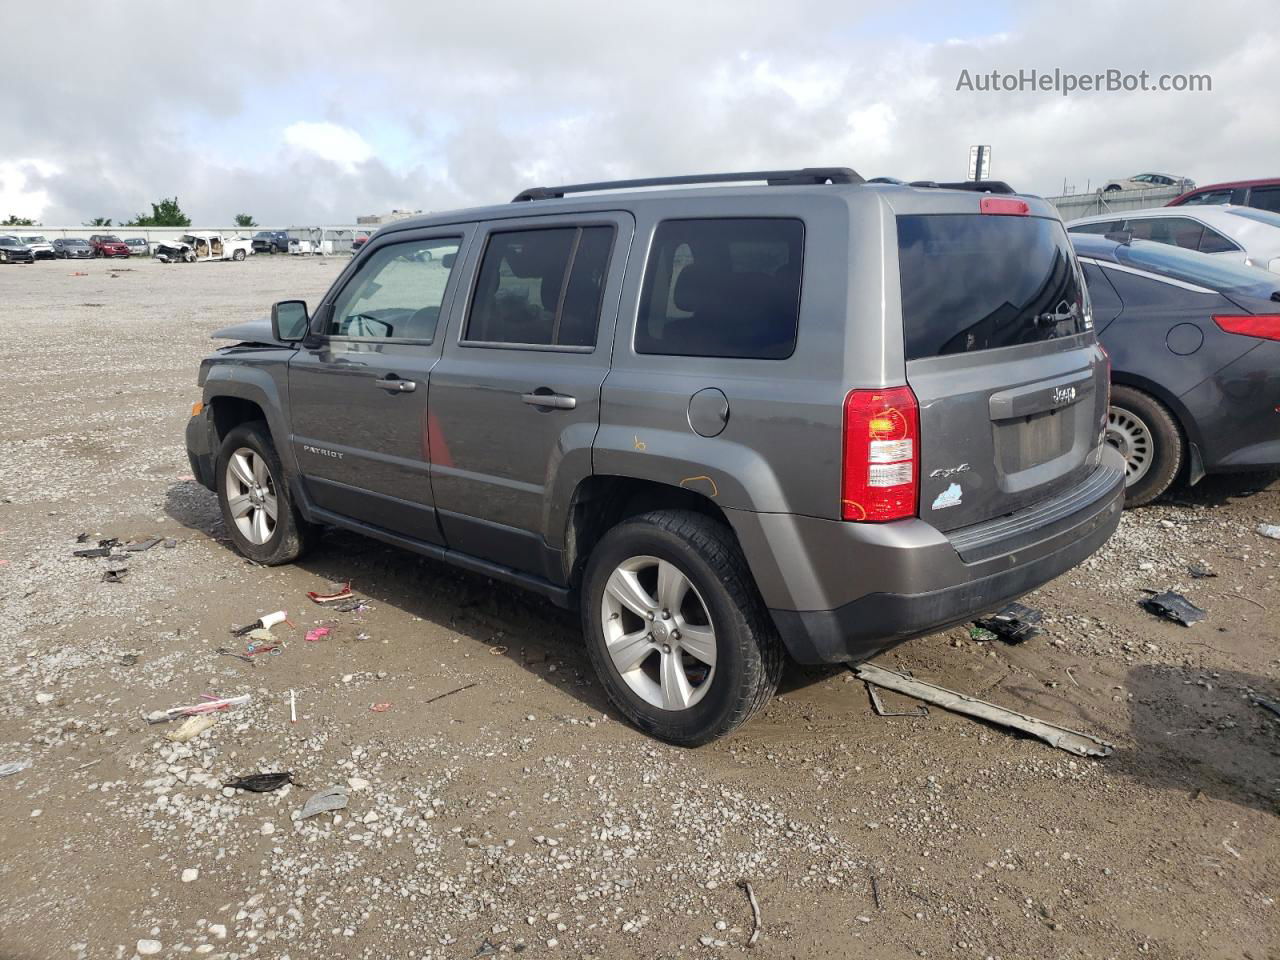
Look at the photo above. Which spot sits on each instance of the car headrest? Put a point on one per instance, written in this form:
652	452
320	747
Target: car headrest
695	288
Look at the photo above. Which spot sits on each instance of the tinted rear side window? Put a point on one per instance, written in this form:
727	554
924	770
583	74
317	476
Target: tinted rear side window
1265	198
980	282
541	287
722	288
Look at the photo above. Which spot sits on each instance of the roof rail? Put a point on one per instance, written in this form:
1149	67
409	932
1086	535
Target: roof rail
980	186
775	178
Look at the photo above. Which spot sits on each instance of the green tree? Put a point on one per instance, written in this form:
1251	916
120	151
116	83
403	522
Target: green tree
16	221
98	222
166	213
244	220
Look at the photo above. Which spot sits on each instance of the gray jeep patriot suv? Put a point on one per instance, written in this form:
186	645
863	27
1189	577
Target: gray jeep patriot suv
805	415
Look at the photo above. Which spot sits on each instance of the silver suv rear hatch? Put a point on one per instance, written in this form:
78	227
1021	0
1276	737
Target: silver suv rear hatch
1001	356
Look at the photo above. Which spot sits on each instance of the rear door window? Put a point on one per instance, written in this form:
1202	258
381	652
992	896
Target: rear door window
1265	198
1214	242
1210	196
541	287
1177	231
980	282
722	288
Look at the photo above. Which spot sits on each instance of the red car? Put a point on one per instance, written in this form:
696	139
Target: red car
1263	194
108	245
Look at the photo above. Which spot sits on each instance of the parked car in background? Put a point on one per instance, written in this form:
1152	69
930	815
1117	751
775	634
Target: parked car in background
1263	194
13	250
271	241
108	245
358	243
138	246
72	248
304	247
194	247
726	424
41	248
1241	234
1195	361
1149	181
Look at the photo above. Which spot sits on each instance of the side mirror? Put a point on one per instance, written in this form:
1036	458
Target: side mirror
289	320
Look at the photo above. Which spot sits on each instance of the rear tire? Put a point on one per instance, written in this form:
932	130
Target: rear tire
708	593
1147	436
247	491
238	256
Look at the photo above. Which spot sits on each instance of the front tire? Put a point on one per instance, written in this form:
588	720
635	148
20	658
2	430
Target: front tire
676	628
1147	436
253	495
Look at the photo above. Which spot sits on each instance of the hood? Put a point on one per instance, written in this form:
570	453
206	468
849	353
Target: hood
254	332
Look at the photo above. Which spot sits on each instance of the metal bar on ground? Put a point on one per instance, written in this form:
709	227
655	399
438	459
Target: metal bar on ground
1080	744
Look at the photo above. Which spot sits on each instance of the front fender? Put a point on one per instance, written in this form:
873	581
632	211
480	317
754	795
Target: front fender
259	376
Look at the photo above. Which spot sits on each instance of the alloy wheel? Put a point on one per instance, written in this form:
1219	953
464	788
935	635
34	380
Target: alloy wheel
658	632
1129	434
251	496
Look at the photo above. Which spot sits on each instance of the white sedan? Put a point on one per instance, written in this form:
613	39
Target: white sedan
1242	234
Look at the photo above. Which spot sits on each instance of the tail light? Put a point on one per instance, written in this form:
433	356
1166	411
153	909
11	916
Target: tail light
1267	326
881	465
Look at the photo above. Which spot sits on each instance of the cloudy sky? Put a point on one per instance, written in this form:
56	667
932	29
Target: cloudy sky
317	112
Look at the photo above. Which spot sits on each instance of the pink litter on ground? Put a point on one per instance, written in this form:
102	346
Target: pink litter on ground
319	633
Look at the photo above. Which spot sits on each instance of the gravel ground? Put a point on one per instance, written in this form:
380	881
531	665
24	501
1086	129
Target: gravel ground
518	813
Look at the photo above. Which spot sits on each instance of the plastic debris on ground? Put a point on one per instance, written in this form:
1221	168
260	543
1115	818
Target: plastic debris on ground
142	545
1173	606
13	766
1270	530
342	593
115	575
260	782
1199	571
323	801
319	633
1063	738
1014	623
380	707
262	623
207	705
354	606
192	727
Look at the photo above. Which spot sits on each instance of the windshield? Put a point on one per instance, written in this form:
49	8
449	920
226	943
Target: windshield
74	242
1191	267
110	238
34	240
980	282
1252	213
8	239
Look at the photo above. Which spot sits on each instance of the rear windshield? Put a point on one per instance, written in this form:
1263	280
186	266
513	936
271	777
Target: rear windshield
981	282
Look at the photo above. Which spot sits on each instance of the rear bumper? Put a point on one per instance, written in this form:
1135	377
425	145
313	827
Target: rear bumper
892	582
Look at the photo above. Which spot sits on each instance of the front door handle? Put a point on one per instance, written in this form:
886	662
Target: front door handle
394	384
545	398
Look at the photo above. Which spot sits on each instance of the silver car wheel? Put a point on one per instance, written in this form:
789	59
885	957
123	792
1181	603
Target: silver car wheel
1127	432
251	496
658	631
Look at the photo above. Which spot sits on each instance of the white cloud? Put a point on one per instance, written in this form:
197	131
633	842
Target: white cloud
337	144
20	193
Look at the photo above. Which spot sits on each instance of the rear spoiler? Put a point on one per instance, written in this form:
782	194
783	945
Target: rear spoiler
978	186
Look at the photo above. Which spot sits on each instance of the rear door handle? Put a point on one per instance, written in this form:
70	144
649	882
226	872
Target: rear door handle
395	385
543	397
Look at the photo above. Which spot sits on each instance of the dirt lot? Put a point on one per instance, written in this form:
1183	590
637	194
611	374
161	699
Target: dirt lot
520	814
